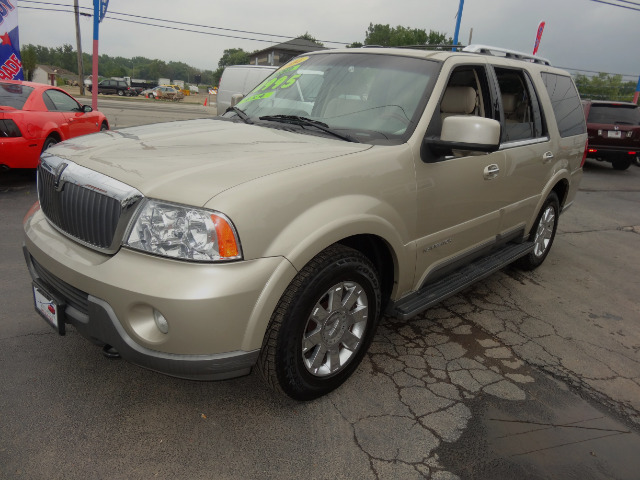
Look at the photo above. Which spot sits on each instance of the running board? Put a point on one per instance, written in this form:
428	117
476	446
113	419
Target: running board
451	284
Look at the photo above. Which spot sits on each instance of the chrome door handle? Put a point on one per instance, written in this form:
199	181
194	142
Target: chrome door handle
547	157
491	171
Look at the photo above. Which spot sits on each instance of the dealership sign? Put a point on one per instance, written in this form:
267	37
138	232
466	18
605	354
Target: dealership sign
10	64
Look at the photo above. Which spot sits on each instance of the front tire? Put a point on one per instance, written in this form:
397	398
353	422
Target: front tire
120	93
543	233
322	325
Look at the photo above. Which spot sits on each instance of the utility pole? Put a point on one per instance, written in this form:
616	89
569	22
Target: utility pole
79	48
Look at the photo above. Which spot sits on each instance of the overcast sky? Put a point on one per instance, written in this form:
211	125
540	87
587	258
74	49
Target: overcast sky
579	34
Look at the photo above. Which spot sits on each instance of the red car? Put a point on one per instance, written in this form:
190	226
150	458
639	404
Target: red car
34	116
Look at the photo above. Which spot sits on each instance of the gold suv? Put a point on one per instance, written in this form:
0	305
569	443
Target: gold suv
347	184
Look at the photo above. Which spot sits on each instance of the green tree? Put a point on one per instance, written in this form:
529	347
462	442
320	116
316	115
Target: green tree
29	61
605	86
387	36
234	56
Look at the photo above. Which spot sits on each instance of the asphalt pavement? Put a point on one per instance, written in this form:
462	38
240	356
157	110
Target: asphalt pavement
527	375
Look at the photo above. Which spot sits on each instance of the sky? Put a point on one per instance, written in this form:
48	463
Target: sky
580	35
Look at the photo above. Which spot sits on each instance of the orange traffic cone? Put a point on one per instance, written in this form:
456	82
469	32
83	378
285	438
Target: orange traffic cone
205	102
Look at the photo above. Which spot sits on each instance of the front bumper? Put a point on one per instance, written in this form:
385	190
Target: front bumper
214	332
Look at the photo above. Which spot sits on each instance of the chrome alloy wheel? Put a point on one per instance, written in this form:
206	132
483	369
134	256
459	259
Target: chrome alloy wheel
335	329
544	233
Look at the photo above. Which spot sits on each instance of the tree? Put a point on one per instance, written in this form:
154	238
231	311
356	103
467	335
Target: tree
605	86
387	36
234	56
29	61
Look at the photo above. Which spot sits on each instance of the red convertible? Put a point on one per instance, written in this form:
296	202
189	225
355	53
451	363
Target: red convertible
34	116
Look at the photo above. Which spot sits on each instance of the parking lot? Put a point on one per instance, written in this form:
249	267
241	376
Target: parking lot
529	375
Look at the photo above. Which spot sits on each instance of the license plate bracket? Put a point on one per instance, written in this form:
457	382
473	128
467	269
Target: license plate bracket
49	307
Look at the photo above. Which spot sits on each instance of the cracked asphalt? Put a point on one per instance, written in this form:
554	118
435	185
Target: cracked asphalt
529	375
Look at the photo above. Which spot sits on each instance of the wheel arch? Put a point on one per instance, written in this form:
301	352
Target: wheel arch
374	247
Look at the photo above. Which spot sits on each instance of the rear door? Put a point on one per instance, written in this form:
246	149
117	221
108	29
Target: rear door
527	148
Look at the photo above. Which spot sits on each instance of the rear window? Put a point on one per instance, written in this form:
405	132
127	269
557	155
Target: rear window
14	95
612	113
565	101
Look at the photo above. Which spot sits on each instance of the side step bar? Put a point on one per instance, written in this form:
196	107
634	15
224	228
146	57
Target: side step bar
436	292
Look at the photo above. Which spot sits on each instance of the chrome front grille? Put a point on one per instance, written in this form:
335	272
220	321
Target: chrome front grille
90	207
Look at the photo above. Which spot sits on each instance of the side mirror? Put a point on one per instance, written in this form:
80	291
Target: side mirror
235	99
465	133
86	109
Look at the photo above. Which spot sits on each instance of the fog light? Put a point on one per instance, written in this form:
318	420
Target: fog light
161	322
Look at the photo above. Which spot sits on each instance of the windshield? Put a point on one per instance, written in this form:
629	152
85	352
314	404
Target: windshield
369	97
621	114
14	95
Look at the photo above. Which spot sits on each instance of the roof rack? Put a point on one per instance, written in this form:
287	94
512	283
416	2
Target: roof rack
487	50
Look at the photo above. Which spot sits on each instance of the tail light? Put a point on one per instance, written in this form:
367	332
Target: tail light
584	155
8	128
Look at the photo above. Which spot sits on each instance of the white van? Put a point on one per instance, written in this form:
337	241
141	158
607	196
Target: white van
239	79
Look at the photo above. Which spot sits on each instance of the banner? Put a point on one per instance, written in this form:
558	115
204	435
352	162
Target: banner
10	63
538	37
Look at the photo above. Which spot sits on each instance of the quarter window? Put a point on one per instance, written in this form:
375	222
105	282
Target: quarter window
565	101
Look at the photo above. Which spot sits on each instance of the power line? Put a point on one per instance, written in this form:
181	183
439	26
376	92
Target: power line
110	13
618	5
244	31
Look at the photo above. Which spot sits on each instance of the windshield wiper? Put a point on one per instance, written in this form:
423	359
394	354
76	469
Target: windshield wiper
243	116
308	122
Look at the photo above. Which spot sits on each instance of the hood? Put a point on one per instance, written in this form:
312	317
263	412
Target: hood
192	161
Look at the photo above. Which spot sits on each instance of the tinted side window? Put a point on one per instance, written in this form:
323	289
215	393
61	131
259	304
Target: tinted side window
62	101
566	104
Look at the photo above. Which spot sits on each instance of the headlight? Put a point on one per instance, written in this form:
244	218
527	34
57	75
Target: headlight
187	233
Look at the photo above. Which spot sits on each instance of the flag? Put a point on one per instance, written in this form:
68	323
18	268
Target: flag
538	37
10	63
104	4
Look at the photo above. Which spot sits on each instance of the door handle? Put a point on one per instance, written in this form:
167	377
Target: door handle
491	171
547	157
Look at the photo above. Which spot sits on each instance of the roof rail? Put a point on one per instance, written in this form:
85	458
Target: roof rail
487	50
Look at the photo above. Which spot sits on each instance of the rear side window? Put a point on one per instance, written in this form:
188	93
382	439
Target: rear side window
520	107
12	95
565	101
621	114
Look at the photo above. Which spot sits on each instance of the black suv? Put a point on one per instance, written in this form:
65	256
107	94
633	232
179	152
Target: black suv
614	132
109	86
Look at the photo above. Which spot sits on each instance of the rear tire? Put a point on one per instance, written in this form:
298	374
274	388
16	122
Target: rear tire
543	233
621	163
322	325
104	126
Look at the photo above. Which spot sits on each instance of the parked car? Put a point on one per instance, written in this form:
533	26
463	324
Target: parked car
348	183
239	79
34	116
167	93
110	86
614	132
